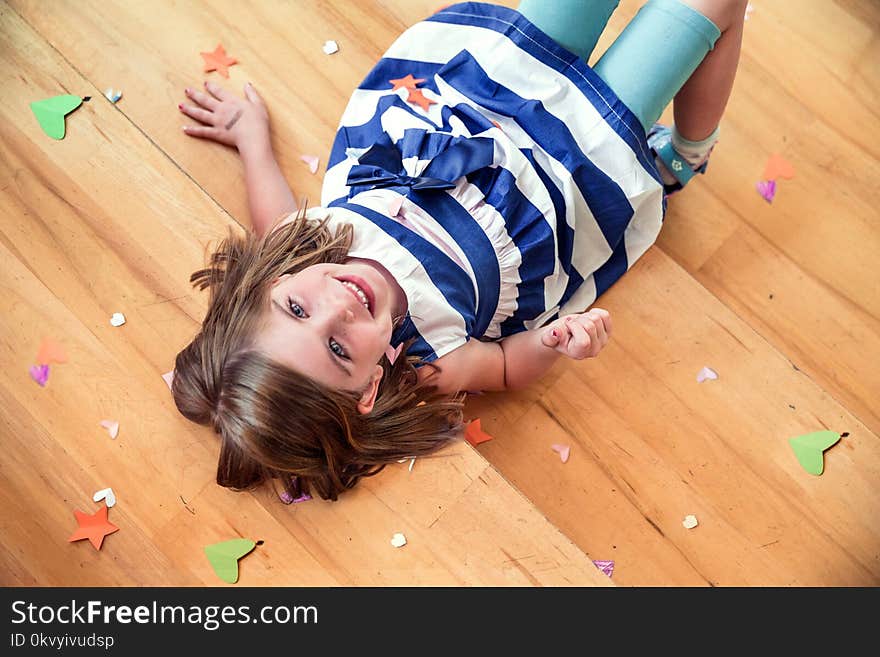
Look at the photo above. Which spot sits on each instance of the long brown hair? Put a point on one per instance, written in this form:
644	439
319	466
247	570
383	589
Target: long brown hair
274	423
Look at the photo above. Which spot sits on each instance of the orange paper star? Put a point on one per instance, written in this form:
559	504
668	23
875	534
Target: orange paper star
218	61
409	82
416	97
778	167
474	434
94	527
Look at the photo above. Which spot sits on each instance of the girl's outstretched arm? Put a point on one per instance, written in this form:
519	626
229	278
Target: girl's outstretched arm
244	124
522	358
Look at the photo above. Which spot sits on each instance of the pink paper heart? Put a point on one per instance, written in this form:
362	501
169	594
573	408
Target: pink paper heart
394	206
767	189
40	374
312	161
112	427
392	353
606	567
562	450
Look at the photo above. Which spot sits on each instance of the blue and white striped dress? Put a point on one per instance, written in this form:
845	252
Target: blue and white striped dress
526	188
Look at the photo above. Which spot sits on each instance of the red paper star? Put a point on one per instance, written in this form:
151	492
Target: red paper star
218	61
409	82
474	434
416	97
94	527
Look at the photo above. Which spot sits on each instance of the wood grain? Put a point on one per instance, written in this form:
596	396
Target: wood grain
781	299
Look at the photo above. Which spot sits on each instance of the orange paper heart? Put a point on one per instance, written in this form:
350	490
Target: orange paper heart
778	167
51	352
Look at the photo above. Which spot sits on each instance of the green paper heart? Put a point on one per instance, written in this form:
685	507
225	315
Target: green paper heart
224	557
51	112
809	449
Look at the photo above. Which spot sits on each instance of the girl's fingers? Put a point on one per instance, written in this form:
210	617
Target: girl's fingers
580	339
202	99
601	333
251	94
203	131
217	91
197	113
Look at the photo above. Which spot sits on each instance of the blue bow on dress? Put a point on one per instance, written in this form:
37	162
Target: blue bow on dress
382	166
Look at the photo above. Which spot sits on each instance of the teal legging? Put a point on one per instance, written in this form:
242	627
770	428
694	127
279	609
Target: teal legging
650	60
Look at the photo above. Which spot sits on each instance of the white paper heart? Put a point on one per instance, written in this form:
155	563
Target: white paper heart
706	373
330	47
112	427
118	319
107	495
689	522
398	540
168	377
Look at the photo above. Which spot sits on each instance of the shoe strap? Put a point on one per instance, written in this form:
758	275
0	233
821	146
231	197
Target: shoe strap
676	164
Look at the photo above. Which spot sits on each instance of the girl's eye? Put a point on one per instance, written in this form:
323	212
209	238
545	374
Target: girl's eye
296	309
340	352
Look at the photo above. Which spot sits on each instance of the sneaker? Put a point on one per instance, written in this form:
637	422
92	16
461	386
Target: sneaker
660	142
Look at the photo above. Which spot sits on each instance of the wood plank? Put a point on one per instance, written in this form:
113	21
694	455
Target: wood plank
650	445
105	221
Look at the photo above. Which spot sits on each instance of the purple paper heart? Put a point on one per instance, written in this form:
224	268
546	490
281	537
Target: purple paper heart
767	189
606	567
40	373
287	498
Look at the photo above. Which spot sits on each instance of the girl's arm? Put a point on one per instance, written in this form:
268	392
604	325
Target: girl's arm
522	358
244	124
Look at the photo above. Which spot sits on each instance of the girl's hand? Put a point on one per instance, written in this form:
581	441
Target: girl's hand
226	118
579	336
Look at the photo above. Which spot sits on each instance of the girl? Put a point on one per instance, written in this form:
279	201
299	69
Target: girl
484	183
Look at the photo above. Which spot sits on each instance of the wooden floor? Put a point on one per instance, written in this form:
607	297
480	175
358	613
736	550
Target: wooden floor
781	299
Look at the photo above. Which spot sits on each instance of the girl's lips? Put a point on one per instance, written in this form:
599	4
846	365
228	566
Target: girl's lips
361	283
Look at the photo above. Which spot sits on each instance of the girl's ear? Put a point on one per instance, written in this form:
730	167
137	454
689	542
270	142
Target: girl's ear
277	280
368	398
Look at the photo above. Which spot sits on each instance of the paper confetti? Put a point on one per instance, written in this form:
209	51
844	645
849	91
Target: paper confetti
416	97
168	377
50	113
749	9
40	374
706	373
93	527
393	352
112	427
409	82
218	61
113	95
778	167
809	449
312	161
689	522
606	567
107	495
394	206
287	498
767	189
51	352
562	450
398	540
474	433
224	557
412	463
330	47
117	319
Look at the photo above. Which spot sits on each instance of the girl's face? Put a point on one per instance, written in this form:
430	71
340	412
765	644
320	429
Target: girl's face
333	322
